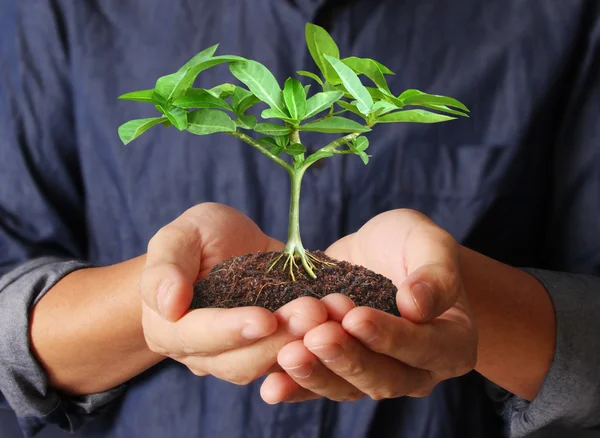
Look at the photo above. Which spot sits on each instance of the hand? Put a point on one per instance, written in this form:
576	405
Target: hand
237	345
363	351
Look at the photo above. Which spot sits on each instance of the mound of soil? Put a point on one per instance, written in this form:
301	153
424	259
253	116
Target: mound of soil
244	281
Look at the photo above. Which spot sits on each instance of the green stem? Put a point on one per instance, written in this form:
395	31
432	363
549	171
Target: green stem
294	241
294	247
295	136
249	140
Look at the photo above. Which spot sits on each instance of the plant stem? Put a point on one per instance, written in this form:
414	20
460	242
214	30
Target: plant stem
295	136
249	140
294	247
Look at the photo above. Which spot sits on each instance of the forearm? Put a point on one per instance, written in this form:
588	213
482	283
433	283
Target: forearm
516	322
87	332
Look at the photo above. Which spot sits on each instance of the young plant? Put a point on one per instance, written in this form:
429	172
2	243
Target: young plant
289	112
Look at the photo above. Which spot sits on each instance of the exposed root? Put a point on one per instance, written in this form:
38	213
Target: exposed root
317	260
309	262
275	262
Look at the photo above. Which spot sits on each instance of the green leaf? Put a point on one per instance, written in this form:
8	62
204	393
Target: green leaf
274	114
327	86
444	109
243	99
369	68
133	129
223	91
295	149
310	75
272	129
246	122
361	143
282	140
200	98
378	94
276	150
138	96
295	98
177	116
414	116
416	97
350	107
383	68
364	157
317	156
408	93
271	145
353	85
175	85
334	125
267	142
200	58
260	81
306	89
320	44
383	107
205	121
321	101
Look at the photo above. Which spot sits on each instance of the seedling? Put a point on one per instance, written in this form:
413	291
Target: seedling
290	112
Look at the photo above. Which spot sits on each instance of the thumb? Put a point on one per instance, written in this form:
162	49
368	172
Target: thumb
428	292
166	291
172	265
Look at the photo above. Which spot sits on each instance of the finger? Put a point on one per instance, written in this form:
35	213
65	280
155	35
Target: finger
189	247
279	387
306	370
433	284
204	332
172	265
166	291
446	347
337	306
374	374
243	365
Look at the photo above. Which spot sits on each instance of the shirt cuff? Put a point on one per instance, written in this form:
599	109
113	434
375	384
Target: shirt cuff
23	382
570	394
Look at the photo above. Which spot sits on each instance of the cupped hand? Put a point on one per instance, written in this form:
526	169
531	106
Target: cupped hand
365	352
237	345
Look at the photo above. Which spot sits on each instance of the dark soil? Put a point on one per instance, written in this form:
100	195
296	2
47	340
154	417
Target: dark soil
244	281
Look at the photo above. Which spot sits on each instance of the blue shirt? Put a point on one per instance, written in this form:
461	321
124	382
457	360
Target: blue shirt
517	181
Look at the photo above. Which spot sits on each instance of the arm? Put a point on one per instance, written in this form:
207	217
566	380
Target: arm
100	310
515	319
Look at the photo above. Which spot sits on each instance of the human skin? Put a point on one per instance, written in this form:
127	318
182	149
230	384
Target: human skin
460	310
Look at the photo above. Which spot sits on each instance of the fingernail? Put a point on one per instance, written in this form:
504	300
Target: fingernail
162	296
329	352
365	331
301	371
252	331
423	298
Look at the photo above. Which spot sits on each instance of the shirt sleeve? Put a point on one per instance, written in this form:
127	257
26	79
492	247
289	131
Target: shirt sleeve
570	394
42	207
